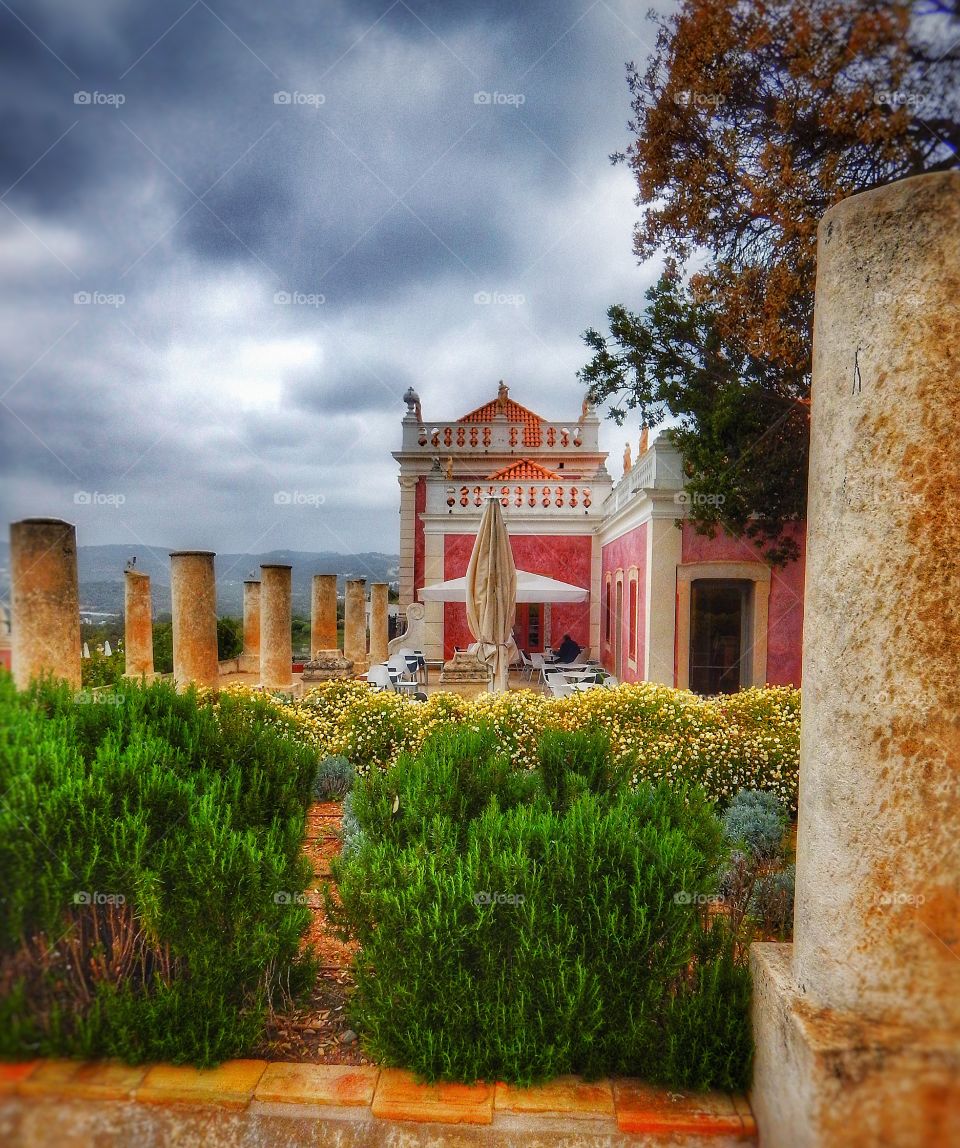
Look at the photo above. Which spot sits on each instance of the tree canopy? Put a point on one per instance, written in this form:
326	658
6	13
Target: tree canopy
751	119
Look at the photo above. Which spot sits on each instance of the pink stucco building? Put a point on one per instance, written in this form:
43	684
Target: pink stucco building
665	603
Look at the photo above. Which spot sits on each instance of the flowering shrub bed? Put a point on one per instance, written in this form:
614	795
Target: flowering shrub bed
745	740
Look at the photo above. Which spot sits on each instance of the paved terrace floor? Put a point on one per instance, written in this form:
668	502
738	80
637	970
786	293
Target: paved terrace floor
433	686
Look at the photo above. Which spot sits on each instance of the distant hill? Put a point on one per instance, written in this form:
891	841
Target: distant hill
101	574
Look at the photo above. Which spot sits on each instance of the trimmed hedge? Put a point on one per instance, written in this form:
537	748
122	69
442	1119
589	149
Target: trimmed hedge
152	904
517	925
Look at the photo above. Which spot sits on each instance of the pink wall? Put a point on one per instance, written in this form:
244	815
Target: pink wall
566	557
785	633
628	550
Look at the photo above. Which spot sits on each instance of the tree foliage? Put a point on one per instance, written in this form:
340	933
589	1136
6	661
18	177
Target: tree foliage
750	120
753	117
742	422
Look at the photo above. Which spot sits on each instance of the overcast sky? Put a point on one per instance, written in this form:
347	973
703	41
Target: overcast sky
186	166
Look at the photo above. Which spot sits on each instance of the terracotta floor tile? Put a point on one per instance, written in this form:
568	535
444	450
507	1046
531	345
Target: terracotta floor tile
12	1074
742	1105
399	1096
566	1096
94	1080
341	1084
642	1108
230	1085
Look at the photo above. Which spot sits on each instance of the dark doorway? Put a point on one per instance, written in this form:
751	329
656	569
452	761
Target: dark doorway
719	638
528	627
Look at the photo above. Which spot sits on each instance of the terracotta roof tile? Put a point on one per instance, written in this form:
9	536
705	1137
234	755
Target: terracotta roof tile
515	414
525	469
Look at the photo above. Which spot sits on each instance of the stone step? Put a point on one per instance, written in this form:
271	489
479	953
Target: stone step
247	1103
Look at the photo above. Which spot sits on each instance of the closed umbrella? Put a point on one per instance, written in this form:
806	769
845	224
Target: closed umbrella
492	594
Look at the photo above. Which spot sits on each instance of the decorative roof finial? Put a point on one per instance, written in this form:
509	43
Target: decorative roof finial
503	393
412	399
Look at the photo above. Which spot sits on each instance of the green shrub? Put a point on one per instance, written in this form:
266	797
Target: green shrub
757	819
102	669
153	896
519	925
350	832
771	904
334	778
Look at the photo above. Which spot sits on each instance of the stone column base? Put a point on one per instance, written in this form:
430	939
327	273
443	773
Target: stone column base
327	666
464	667
824	1079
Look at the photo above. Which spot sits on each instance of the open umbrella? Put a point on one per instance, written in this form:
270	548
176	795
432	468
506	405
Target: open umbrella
492	594
530	588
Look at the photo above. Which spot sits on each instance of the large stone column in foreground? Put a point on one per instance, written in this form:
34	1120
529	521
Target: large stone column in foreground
355	624
45	600
250	658
276	642
323	614
137	625
193	598
858	1023
379	621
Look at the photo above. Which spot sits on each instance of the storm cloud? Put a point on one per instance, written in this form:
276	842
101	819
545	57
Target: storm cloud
234	234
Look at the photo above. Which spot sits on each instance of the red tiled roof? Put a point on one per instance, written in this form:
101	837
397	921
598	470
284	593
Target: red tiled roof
524	469
515	414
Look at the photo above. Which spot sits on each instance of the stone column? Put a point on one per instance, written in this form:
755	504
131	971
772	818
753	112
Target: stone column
276	643
355	624
858	1027
193	598
250	658
137	625
379	622
45	600
323	614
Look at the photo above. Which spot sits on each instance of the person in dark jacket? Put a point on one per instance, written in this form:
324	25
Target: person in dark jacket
568	649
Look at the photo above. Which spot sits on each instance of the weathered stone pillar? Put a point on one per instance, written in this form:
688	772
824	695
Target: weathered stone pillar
379	621
45	600
250	658
858	1028
193	598
276	643
137	625
355	624
323	614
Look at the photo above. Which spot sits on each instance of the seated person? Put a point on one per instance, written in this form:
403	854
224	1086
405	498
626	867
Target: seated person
568	649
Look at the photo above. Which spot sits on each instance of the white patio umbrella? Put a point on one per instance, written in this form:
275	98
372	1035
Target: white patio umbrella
530	588
491	594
